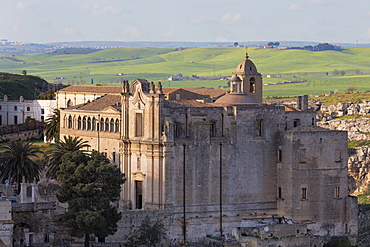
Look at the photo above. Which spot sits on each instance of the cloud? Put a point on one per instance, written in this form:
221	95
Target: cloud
112	10
132	31
295	7
97	10
23	5
15	28
199	19
231	18
69	31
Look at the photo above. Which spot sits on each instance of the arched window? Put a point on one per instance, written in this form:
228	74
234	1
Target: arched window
102	124
84	123
252	85
79	124
106	124
69	103
111	128
70	125
89	123
93	127
117	125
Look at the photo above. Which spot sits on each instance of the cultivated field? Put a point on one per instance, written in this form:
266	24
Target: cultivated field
159	64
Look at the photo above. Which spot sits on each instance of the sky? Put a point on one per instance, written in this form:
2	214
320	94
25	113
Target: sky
44	21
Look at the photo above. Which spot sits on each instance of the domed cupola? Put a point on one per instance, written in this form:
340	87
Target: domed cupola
235	84
246	67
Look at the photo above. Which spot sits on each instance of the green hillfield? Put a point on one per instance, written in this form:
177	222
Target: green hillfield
159	64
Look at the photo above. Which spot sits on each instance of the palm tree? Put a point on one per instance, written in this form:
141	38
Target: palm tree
16	163
69	144
52	126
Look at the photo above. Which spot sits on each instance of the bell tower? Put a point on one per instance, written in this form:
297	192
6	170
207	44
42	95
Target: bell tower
251	79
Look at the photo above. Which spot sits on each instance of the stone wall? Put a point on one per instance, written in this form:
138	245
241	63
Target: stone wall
21	131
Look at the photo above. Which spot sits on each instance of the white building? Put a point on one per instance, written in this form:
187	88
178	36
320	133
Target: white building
17	111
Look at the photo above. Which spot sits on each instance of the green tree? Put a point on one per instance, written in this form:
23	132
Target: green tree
152	232
69	144
16	163
52	126
89	185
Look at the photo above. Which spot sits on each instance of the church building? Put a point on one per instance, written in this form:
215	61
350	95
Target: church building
208	161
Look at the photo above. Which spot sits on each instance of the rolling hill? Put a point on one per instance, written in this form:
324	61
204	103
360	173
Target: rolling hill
157	64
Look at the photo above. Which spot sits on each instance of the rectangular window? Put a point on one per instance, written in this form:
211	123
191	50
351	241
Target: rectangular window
222	125
279	192
139	125
336	192
42	111
212	130
114	157
1	120
303	193
15	119
28	108
259	127
139	194
297	122
15	108
280	158
176	133
186	125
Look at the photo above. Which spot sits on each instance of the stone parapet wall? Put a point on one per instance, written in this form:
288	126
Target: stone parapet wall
24	135
21	131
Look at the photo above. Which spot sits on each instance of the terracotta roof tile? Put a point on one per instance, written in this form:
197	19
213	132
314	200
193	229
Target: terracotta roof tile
100	103
191	103
93	89
202	91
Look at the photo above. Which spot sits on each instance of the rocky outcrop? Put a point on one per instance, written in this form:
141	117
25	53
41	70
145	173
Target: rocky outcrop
341	109
359	170
358	128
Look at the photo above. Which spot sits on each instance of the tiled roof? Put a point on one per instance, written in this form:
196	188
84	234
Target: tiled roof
208	91
100	103
93	89
117	89
202	91
289	108
192	103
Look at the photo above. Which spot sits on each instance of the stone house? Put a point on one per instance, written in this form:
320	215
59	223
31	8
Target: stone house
205	161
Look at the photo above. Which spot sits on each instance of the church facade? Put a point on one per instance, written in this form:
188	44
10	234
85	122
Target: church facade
206	162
